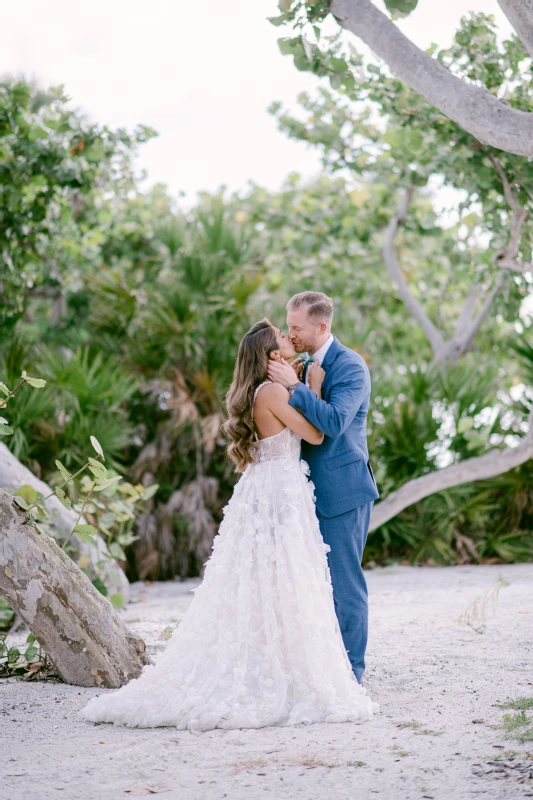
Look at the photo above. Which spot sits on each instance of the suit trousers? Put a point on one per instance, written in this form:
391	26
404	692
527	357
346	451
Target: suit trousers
346	534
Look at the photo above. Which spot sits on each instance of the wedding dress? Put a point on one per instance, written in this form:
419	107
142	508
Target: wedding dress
260	643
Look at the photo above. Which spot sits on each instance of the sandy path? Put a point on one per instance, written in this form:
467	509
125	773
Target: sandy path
422	668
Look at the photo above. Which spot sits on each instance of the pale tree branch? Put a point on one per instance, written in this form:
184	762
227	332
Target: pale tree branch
466	333
491	120
469	306
389	256
495	462
520	15
507	189
507	258
467	326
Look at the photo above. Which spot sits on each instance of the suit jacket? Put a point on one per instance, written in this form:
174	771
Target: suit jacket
340	467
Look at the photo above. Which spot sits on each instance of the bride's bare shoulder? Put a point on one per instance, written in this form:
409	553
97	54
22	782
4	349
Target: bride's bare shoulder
272	393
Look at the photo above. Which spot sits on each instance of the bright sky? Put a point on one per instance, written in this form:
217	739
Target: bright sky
201	73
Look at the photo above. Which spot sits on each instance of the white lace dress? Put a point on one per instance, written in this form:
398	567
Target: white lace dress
260	643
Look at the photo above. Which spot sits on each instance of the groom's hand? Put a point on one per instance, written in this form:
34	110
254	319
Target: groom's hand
281	372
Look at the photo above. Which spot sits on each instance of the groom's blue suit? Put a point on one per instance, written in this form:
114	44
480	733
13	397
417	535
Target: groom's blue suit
344	484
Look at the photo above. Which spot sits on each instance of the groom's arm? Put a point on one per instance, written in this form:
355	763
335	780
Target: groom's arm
345	398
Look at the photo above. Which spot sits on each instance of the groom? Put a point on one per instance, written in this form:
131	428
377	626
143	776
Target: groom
340	469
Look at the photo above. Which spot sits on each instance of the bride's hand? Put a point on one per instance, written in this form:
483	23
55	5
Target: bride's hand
281	372
316	378
298	367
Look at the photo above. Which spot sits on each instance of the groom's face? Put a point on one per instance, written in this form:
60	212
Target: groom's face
303	332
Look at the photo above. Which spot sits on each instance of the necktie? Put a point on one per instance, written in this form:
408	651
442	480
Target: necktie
306	361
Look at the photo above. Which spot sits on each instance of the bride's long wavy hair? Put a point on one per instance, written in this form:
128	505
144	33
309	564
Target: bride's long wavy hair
250	370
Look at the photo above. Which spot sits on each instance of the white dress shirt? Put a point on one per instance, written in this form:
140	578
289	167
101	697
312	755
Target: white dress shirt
319	356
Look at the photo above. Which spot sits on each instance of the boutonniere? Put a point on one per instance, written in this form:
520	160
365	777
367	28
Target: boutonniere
306	359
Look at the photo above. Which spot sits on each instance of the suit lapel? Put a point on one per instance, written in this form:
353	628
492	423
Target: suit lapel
331	354
329	359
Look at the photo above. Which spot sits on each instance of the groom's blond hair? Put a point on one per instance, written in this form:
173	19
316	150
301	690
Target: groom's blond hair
319	306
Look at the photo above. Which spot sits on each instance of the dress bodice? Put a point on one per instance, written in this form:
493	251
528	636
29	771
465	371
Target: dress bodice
284	445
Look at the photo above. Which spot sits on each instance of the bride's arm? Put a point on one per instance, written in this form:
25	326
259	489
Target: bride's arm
277	400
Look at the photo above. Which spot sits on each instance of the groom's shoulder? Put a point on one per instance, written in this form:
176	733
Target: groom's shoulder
346	356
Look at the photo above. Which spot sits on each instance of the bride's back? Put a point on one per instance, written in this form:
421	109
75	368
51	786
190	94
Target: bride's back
266	423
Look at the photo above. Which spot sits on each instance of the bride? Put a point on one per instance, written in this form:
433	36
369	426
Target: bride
260	642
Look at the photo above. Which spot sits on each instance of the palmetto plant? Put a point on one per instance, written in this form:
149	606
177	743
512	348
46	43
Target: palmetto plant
439	419
179	334
32	416
133	309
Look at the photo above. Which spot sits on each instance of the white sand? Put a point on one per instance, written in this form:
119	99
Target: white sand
421	668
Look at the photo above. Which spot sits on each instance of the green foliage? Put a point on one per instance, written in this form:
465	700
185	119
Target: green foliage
28	664
371	125
518	726
518	702
102	481
379	129
55	168
7	615
139	345
400	8
383	132
6	395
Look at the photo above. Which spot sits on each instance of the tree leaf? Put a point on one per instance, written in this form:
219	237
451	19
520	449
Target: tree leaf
37	383
28	493
116	551
97	468
98	476
337	64
37	132
465	424
84	537
117	600
277	21
31	653
107	520
400	8
85	530
64	472
20	502
100	585
150	491
109	482
64	500
291	46
97	446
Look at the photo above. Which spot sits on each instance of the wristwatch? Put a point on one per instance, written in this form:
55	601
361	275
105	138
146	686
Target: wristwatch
292	387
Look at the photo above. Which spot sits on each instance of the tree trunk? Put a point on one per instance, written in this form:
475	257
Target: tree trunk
489	465
77	626
520	15
490	119
91	555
